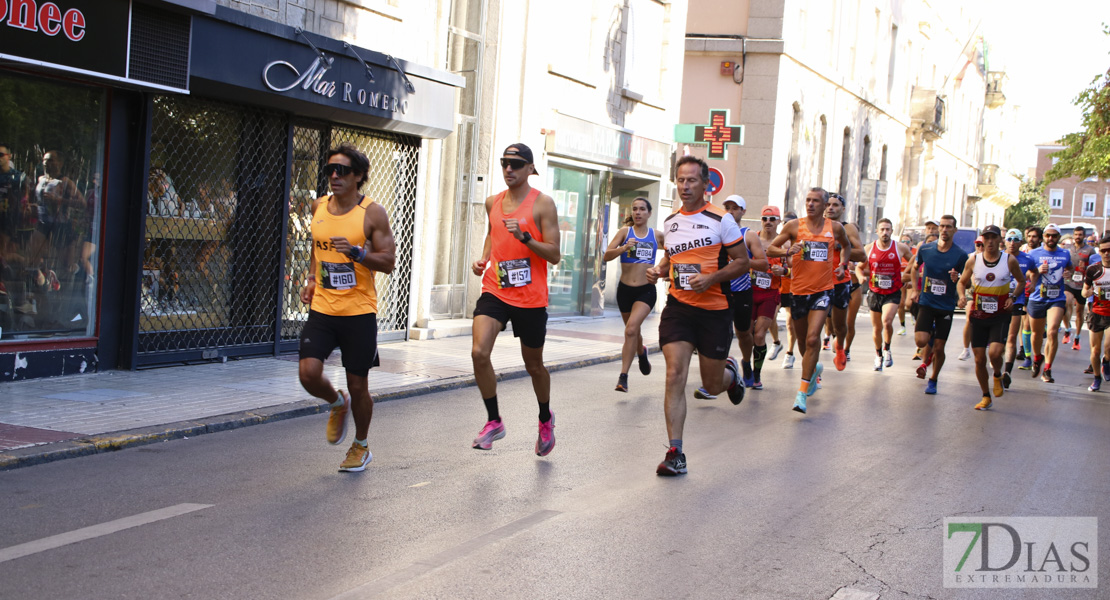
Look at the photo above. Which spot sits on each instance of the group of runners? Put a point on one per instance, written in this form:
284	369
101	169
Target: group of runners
723	279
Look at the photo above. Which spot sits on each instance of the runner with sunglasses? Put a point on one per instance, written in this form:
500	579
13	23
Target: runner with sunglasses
765	294
351	241
636	244
1047	302
1033	238
1096	285
521	239
1017	312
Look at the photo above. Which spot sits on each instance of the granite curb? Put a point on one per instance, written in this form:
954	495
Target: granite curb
109	442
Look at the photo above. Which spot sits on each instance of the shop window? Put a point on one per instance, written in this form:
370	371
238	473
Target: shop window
51	162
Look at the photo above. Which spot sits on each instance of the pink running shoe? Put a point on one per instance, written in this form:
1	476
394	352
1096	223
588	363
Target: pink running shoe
494	430
546	441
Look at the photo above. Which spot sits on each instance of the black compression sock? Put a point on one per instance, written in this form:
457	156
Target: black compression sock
545	412
491	409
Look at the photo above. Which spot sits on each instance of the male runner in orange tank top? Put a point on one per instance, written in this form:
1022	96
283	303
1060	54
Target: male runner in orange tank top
521	239
811	242
351	240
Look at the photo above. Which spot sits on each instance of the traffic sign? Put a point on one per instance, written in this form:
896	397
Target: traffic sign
716	182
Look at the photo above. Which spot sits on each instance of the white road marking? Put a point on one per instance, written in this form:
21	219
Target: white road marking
421	484
422	567
854	594
87	533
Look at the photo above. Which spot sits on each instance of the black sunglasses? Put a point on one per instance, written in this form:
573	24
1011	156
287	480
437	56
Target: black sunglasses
1104	249
516	163
337	169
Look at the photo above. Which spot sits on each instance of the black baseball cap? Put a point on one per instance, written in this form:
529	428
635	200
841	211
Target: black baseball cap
992	230
519	150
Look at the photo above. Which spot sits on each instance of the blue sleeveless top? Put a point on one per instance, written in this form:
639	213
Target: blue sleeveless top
644	251
743	282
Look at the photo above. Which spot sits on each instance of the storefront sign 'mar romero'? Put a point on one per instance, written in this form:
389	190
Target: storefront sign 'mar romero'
312	79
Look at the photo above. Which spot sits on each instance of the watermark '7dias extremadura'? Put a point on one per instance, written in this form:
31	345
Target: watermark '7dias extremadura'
1021	552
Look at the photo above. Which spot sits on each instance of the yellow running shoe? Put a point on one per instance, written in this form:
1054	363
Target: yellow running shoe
337	420
998	387
984	404
357	459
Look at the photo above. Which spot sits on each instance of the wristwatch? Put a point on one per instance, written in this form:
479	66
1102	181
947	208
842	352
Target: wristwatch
527	238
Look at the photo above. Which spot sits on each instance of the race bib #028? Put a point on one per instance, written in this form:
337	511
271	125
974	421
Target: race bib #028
514	273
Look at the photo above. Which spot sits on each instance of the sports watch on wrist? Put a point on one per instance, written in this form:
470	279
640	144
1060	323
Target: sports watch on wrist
527	238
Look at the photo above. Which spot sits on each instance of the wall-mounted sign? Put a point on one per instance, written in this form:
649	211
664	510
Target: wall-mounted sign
717	134
716	182
578	138
91	35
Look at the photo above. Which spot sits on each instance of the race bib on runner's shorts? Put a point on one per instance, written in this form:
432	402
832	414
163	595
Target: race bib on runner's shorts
681	274
514	273
337	276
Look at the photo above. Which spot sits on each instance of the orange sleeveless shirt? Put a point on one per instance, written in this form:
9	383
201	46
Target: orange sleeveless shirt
515	274
343	287
814	265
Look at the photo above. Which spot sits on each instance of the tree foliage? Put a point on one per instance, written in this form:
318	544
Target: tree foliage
1087	153
1031	209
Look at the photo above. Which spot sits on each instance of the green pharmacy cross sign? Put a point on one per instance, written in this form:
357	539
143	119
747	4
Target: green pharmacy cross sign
717	134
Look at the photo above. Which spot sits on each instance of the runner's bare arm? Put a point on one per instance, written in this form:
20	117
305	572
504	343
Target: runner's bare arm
759	257
309	289
863	267
653	273
857	253
617	246
479	266
381	248
547	219
1015	272
963	282
845	257
775	249
735	268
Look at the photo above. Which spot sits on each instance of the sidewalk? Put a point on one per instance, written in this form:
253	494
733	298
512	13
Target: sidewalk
43	420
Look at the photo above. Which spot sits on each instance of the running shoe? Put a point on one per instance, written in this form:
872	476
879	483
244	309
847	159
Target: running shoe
736	390
1027	365
673	464
848	356
825	346
966	354
815	383
1067	336
902	330
1047	376
758	385
1006	380
749	376
493	430
878	363
337	420
922	370
889	358
1095	385
622	382
1020	351
998	387
917	354
1106	370
357	458
800	402
840	360
545	442
930	387
984	404
1037	364
788	361
1089	370
1075	344
775	350
702	394
645	366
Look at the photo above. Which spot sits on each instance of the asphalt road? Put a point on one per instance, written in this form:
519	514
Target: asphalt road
776	504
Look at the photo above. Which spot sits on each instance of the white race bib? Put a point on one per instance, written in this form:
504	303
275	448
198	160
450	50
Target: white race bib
937	288
1077	277
514	273
884	282
988	305
762	280
644	252
682	273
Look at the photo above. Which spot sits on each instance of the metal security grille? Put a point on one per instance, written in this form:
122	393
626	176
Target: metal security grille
159	46
213	230
391	182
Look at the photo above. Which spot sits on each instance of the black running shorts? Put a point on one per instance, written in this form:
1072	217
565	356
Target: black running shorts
1096	323
876	302
994	330
740	303
529	324
707	330
627	295
355	336
842	295
937	323
800	306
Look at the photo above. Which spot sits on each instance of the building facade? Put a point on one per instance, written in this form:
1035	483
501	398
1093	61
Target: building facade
1074	202
884	102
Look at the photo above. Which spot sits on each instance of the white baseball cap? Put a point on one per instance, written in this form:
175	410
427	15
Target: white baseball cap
737	200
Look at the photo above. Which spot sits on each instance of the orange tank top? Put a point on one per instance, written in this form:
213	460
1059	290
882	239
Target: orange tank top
343	287
515	274
814	265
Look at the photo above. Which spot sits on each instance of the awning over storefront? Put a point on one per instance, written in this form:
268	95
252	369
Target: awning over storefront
240	57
